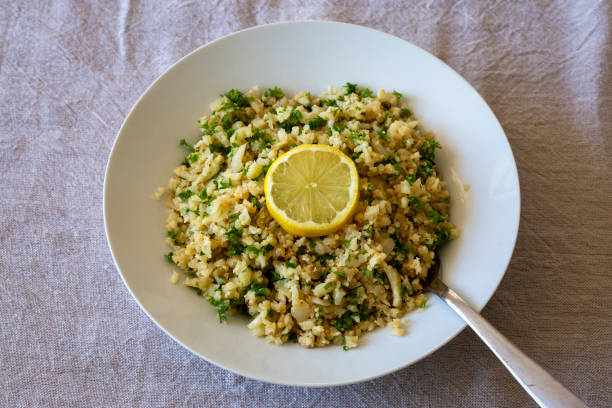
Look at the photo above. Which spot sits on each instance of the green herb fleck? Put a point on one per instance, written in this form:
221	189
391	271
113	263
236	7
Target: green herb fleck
415	202
253	200
275	92
258	288
349	88
294	119
206	199
220	185
253	249
382	135
185	195
435	216
328	102
366	93
217	148
222	308
316	123
236	98
344	322
186	145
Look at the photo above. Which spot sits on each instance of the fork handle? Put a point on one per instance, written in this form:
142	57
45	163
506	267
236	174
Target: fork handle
541	386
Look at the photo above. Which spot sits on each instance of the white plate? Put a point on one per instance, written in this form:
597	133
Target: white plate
310	56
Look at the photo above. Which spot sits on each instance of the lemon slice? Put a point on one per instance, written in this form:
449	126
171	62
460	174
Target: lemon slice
312	190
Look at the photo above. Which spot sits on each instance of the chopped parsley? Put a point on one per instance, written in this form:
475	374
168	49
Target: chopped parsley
349	88
382	135
410	178
185	195
217	148
186	145
168	257
209	127
262	137
290	264
253	249
253	200
172	234
399	247
272	275
415	202
193	157
328	102
233	217
399	95
236	98
340	274
258	288
428	158
344	322
233	236
222	308
441	237
366	93
294	119
206	199
405	112
435	216
316	123
275	92
228	120
220	185
424	171
358	136
323	258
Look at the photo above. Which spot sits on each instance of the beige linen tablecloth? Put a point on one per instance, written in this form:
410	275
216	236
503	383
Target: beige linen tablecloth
70	333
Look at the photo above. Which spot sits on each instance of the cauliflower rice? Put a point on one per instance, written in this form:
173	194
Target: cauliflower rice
316	291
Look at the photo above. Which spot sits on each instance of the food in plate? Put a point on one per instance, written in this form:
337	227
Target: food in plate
358	267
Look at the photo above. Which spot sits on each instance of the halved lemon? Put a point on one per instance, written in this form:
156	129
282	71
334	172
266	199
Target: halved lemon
312	190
